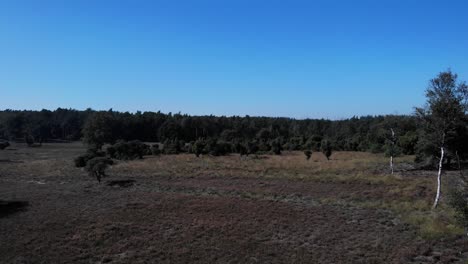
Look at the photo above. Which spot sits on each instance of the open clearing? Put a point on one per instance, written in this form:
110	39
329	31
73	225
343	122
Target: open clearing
183	209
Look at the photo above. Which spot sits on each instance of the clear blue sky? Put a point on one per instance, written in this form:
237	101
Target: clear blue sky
331	59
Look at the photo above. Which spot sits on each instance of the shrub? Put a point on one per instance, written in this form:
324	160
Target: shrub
326	148
198	147
128	150
97	166
458	201
212	146
308	154
81	160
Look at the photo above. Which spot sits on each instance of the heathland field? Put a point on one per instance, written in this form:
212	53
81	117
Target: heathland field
259	209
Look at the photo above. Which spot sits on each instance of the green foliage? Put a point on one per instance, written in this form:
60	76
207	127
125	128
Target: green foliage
264	134
276	146
408	142
326	148
458	201
241	149
252	147
443	117
375	148
130	150
172	147
105	127
99	129
97	166
81	160
213	147
199	147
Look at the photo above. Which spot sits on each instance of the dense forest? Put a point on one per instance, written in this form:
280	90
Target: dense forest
368	133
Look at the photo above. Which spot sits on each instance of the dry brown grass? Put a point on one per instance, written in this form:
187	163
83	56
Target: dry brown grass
407	193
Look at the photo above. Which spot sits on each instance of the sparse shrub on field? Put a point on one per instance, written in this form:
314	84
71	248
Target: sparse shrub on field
97	166
308	154
326	148
128	150
81	160
459	202
198	147
4	145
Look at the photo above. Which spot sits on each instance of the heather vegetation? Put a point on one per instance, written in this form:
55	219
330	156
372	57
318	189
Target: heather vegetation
316	163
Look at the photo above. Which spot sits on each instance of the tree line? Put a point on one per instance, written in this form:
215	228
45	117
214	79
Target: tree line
366	133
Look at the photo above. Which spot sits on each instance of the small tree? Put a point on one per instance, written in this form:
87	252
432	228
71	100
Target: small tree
96	167
326	148
199	147
308	154
99	129
391	148
443	114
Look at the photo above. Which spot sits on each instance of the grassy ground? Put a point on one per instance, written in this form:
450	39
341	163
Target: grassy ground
262	209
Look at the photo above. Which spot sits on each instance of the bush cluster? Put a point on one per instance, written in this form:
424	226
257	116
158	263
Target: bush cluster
128	150
81	160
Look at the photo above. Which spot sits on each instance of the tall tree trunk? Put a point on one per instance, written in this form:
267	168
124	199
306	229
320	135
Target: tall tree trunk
436	201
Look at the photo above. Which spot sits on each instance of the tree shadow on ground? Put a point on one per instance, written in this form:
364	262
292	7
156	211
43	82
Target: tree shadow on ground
11	207
121	183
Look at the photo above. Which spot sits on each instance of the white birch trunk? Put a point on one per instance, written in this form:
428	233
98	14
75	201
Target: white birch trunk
393	149
391	163
436	201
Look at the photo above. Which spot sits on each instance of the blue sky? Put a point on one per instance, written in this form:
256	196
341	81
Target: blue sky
330	59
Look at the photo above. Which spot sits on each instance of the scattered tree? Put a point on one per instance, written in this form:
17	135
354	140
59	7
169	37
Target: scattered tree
99	129
443	114
391	149
130	150
326	148
97	166
199	147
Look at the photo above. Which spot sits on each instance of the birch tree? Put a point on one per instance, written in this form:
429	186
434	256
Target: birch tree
443	113
392	148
